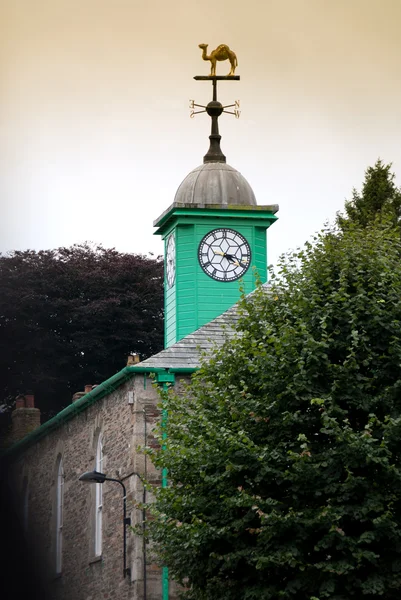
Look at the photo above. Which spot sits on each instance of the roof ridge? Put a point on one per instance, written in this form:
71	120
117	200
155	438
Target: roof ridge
188	350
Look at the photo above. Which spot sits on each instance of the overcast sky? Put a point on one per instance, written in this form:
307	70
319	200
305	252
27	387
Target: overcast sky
95	134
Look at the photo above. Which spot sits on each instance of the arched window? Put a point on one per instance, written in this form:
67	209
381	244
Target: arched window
99	498
59	515
25	506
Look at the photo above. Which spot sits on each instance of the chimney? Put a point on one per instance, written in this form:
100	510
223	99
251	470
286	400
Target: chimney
87	388
133	359
25	417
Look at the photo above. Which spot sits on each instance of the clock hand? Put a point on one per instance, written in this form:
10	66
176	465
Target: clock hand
231	258
236	261
225	254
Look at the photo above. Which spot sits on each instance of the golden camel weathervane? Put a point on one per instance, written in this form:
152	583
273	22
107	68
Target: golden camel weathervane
222	52
214	109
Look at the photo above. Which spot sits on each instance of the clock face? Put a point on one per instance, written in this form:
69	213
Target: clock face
170	260
224	254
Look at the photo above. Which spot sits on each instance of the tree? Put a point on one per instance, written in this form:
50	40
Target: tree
379	196
284	456
71	316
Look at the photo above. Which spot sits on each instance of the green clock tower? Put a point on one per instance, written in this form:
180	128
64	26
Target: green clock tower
214	233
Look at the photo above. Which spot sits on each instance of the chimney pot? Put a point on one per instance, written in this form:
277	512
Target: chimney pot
29	401
133	359
88	388
20	401
77	396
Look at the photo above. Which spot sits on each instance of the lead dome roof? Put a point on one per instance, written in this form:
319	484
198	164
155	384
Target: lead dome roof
215	183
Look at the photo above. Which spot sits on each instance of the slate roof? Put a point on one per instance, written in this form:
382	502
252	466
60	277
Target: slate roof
187	352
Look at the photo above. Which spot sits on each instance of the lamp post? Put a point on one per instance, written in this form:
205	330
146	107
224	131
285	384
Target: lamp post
96	477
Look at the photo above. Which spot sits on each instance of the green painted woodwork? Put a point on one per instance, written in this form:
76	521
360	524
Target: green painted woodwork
213	210
165	583
195	298
165	379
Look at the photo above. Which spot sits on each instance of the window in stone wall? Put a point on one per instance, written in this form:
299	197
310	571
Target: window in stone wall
59	515
25	496
99	499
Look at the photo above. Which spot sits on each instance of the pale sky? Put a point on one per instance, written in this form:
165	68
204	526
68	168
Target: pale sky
95	134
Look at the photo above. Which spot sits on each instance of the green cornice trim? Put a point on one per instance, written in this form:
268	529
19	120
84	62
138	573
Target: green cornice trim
175	370
103	389
214	210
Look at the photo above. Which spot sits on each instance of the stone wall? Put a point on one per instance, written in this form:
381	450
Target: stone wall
126	418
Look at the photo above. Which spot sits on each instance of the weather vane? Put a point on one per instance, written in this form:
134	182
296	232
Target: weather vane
214	109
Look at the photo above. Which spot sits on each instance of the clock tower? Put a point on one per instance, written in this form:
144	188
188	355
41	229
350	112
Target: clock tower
214	234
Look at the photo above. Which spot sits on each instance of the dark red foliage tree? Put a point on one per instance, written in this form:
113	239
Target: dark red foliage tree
70	317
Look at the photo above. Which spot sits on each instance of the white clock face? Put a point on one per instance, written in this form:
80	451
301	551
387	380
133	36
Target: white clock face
170	260
224	254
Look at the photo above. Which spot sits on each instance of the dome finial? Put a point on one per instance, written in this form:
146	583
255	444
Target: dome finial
214	154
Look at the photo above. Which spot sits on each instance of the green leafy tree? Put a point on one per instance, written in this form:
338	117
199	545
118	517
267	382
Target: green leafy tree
71	316
379	196
284	454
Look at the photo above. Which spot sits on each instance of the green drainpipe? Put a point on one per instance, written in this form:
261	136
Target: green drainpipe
164	484
165	379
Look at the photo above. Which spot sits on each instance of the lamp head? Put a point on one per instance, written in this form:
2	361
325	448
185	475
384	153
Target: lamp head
93	477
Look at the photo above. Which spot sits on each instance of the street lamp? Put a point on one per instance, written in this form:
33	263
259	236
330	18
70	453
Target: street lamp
96	477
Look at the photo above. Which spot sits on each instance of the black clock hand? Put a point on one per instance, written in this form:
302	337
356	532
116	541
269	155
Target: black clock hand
231	258
234	260
225	255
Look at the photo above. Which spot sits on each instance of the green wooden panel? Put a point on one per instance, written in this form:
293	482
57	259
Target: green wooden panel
196	299
186	291
260	252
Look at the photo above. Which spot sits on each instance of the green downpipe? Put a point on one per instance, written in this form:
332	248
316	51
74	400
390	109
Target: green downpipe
165	582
